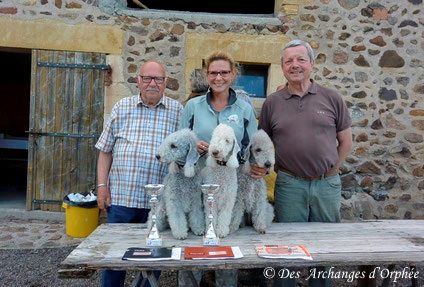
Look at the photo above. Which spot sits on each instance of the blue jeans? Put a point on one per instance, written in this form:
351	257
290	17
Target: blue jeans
301	200
122	214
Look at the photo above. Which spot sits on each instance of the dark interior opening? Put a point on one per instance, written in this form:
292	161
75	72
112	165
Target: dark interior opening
217	6
15	79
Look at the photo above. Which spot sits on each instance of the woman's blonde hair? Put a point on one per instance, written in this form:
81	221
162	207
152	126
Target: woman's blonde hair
221	55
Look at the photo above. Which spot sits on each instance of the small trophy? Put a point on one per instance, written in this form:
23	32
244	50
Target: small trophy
153	238
210	237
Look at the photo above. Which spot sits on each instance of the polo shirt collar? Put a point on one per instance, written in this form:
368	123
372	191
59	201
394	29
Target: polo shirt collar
162	102
232	99
313	88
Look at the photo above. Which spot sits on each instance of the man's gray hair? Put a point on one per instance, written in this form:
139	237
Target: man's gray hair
297	42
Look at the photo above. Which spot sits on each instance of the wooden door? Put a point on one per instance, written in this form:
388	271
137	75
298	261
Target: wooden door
66	118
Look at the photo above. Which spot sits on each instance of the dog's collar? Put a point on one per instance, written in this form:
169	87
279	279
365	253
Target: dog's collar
224	163
181	164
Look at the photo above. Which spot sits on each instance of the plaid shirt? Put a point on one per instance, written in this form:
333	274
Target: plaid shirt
133	134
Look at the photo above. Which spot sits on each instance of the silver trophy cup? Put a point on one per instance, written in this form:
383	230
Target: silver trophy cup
153	237
210	237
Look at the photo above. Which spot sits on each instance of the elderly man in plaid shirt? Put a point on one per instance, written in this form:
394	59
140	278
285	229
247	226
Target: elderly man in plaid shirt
128	145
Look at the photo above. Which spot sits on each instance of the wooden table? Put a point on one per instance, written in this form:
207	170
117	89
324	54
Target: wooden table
368	243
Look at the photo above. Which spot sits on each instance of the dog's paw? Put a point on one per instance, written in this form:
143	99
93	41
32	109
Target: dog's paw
198	229
234	228
198	232
223	231
260	228
180	235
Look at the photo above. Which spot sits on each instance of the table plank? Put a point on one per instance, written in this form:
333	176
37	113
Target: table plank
360	243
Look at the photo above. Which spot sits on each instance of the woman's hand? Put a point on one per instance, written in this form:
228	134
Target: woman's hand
202	147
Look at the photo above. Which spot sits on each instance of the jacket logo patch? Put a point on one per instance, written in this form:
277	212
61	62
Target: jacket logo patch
233	119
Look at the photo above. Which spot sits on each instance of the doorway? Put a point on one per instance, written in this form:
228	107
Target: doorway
15	79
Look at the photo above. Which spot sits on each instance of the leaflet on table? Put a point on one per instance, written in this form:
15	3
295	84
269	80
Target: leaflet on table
212	252
285	252
152	254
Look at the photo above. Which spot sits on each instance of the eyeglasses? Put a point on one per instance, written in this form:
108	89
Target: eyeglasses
148	79
215	74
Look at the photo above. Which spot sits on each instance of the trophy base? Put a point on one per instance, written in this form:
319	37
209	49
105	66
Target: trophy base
210	241
156	242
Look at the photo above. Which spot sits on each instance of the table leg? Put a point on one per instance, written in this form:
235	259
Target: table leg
386	281
151	277
192	279
413	280
139	281
366	281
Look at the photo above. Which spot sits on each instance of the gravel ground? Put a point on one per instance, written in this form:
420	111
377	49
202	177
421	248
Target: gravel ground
38	268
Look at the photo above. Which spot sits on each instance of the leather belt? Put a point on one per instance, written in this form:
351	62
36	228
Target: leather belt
318	177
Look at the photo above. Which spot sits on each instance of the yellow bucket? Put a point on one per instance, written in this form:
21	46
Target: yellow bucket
80	221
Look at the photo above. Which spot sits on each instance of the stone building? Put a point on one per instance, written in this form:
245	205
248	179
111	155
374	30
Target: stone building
371	52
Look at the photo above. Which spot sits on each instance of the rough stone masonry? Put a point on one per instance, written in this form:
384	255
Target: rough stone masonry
370	51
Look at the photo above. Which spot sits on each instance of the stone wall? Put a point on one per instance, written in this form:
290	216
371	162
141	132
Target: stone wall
371	52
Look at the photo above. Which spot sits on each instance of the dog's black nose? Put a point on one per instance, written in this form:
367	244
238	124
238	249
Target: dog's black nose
158	157
215	152
267	164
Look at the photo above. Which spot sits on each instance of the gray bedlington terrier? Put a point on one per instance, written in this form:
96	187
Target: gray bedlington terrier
182	196
252	193
221	168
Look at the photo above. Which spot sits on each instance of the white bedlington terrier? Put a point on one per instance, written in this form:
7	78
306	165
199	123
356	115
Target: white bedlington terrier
252	193
221	168
182	193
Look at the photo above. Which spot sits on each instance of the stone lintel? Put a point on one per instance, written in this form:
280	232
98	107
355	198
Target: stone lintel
263	49
55	35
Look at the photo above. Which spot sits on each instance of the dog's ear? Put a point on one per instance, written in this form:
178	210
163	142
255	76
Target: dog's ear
191	159
233	161
173	168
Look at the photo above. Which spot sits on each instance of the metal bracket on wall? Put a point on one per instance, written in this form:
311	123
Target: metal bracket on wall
74	66
46	201
64	135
